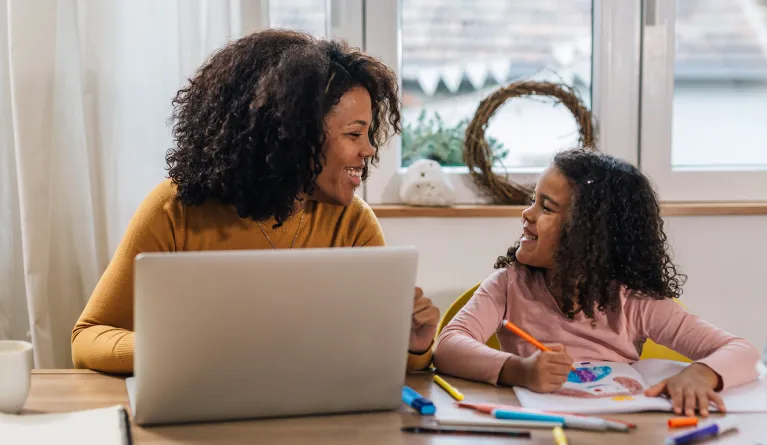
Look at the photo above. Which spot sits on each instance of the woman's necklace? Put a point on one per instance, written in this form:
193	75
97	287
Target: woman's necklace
294	237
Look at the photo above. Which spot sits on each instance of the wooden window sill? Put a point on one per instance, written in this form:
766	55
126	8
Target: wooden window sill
504	211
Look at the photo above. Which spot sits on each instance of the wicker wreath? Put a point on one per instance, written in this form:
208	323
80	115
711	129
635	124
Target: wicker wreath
478	156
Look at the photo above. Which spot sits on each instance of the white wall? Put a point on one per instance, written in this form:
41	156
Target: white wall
723	256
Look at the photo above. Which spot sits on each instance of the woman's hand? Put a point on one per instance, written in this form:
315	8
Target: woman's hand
691	388
424	325
542	372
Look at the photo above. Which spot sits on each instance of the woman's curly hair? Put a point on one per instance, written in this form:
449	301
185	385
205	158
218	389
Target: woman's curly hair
613	236
249	127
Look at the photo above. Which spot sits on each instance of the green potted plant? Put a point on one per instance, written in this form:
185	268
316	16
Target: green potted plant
431	138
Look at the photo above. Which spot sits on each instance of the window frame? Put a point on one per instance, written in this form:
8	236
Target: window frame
616	62
685	185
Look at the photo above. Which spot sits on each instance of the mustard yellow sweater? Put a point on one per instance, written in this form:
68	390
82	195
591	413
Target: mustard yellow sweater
102	338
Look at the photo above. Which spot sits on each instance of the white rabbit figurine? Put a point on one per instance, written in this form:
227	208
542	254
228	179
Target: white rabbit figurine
425	184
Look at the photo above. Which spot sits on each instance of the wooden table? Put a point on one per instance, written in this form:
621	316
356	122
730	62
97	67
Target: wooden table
68	390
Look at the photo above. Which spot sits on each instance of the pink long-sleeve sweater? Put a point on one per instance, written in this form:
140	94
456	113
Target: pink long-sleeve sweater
522	297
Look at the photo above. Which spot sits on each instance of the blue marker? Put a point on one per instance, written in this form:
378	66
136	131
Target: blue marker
712	429
575	422
523	415
417	402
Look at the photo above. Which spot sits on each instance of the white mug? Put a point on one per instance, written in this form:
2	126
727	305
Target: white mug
15	374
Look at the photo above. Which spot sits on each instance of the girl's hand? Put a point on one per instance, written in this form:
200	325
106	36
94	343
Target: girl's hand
546	371
691	388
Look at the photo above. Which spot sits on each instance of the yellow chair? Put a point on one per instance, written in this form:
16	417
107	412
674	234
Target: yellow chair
650	349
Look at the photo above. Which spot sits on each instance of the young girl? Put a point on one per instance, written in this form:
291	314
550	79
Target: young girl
590	274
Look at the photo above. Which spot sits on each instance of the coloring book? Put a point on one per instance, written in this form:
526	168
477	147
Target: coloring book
609	387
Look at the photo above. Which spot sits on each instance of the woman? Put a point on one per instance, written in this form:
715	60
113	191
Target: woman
272	136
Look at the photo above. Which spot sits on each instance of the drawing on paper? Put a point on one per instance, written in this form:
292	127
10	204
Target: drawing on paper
589	374
590	381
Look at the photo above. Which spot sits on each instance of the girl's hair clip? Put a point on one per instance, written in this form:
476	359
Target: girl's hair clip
327	87
589	181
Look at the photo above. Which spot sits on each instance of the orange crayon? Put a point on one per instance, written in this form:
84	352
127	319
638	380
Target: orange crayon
525	336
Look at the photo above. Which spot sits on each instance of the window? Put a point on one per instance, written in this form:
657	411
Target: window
450	54
677	87
303	15
705	99
454	53
321	18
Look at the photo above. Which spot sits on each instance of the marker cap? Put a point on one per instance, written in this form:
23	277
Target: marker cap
681	422
424	406
726	425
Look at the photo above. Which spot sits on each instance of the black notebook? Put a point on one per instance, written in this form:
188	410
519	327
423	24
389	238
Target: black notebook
102	426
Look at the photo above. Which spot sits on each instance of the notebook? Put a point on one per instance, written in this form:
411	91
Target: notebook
609	387
102	426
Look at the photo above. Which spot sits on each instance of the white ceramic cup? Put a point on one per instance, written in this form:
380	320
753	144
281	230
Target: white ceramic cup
15	374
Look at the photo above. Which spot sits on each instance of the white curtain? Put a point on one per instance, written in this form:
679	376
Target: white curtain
85	96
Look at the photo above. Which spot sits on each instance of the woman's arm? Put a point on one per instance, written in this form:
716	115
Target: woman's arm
367	232
461	349
102	338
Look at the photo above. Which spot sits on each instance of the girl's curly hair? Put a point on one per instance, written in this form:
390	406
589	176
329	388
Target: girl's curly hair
249	127
613	236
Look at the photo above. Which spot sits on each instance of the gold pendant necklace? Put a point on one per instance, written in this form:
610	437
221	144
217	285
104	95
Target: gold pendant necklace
294	236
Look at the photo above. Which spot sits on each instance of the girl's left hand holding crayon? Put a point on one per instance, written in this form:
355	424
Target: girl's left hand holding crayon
695	387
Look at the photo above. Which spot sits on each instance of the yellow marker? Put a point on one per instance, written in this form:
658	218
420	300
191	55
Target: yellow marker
447	387
559	436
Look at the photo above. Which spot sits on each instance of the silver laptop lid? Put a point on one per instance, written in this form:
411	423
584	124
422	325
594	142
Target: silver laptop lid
246	334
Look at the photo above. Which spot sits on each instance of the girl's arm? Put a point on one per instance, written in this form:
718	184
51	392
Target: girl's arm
460	348
667	323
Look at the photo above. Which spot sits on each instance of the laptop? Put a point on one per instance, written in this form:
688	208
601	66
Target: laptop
228	335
